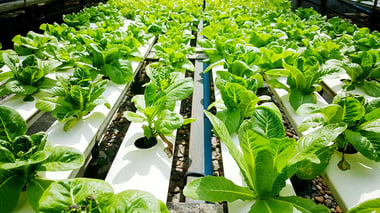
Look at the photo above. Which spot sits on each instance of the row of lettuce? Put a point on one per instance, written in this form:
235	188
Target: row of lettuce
252	41
68	67
291	50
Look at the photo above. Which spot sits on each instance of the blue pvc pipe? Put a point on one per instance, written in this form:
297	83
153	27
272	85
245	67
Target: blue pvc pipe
207	124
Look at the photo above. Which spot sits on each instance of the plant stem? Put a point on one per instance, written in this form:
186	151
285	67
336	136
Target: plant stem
169	149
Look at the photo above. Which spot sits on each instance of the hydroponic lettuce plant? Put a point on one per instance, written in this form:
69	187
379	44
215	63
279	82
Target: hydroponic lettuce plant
25	77
255	60
161	77
78	20
303	79
155	109
61	31
71	56
34	43
93	195
139	32
362	122
113	57
363	69
74	97
239	99
323	48
364	40
172	49
23	156
336	27
155	21
224	51
265	161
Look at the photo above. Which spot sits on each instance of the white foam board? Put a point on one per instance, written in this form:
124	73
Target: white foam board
142	169
335	86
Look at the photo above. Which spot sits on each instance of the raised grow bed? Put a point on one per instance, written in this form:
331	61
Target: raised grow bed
105	51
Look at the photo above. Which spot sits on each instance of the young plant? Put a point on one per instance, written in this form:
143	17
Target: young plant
323	48
223	51
239	99
266	160
363	71
362	122
303	79
93	195
23	156
336	27
172	50
26	77
156	108
61	31
77	20
34	43
365	40
161	77
71	56
74	97
112	58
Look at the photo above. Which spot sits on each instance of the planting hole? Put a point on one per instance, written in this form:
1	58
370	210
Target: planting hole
349	149
145	143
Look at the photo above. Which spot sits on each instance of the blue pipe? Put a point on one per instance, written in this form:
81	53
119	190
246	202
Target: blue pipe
207	124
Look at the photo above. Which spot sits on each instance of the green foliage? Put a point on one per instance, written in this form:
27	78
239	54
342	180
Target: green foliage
266	160
74	97
239	98
22	156
361	120
366	207
363	70
113	56
94	195
34	43
25	77
156	107
303	79
336	26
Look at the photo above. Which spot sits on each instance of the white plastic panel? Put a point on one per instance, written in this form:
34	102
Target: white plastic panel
335	86
356	185
142	169
26	109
